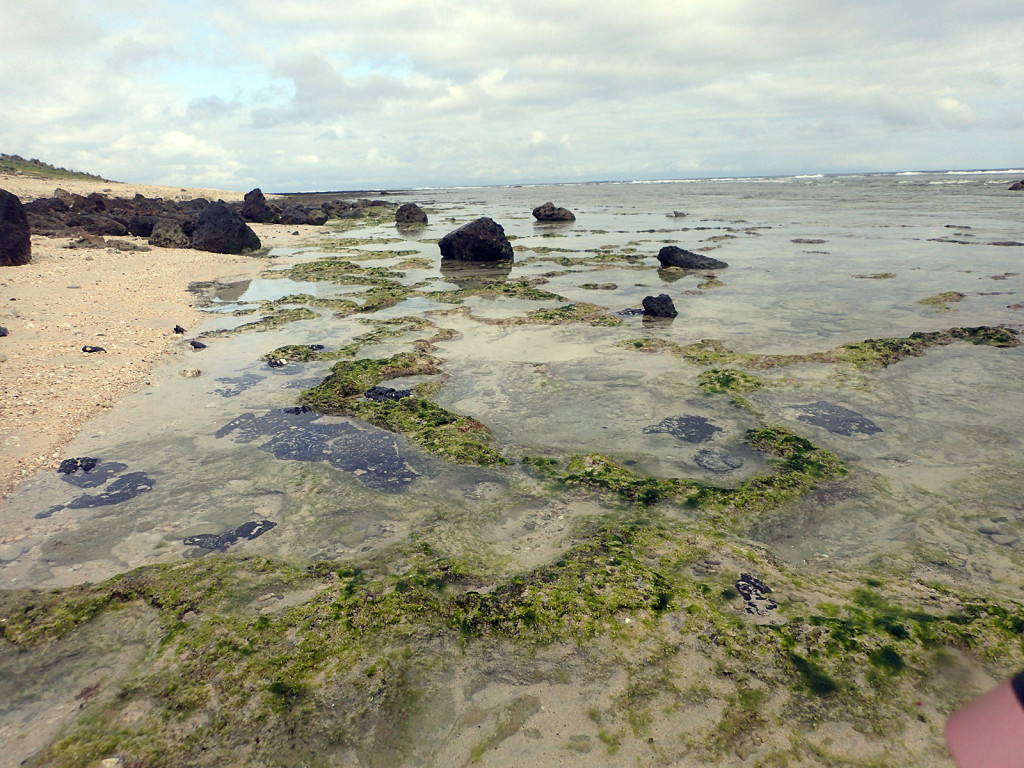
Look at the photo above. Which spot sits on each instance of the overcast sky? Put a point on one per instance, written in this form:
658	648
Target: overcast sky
296	95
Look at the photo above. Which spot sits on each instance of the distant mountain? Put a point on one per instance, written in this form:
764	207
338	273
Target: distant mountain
16	164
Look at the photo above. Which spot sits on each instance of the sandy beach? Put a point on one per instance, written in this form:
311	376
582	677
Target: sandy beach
127	302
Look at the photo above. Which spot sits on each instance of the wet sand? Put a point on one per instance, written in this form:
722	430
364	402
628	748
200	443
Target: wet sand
126	302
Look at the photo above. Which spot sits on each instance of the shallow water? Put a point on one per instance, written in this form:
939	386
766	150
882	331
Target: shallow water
566	389
932	443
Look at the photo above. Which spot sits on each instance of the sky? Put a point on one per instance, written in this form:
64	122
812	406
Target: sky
328	95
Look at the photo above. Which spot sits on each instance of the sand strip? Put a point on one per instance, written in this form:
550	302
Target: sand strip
127	302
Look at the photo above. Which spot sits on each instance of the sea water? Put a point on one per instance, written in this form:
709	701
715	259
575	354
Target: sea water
226	462
814	263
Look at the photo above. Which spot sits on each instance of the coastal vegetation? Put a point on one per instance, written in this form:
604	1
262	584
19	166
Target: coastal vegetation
37	168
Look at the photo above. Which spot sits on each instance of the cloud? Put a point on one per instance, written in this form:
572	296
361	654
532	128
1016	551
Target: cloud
410	93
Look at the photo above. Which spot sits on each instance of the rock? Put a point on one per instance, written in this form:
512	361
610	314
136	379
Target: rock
836	419
215	543
380	394
90	349
293	215
222	230
84	463
179	329
122	489
717	461
87	473
659	306
9	552
673	256
1017	186
410	213
548	212
755	594
1005	539
15	232
197	344
689	429
480	240
88	241
97	224
3	331
317	218
190	373
255	208
168	234
372	455
142	226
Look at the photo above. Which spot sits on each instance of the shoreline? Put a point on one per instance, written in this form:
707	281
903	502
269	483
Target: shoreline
127	302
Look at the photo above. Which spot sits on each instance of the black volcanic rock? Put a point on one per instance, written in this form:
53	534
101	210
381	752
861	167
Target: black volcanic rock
548	212
410	213
168	234
659	306
15	233
222	230
673	256
480	240
255	208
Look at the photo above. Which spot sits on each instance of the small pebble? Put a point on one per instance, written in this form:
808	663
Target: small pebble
190	373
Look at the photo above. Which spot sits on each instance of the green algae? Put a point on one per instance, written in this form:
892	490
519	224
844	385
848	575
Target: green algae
599	286
877	276
350	379
498	287
718	380
799	466
454	437
941	301
273	317
240	683
870	353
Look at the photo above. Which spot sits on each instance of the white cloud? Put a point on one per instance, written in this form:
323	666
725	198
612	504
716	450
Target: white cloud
399	93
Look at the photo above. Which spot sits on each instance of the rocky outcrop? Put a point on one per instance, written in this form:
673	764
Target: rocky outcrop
168	234
480	240
222	230
294	215
255	208
673	256
410	214
548	212
659	306
15	232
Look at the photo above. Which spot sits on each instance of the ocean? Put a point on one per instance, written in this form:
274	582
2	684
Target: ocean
904	462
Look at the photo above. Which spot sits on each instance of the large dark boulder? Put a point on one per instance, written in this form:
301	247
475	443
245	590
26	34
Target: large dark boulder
142	226
168	234
221	230
1017	186
255	208
480	240
672	256
293	215
410	213
548	212
15	233
98	224
659	306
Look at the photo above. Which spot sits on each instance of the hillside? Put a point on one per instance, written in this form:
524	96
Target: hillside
16	164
